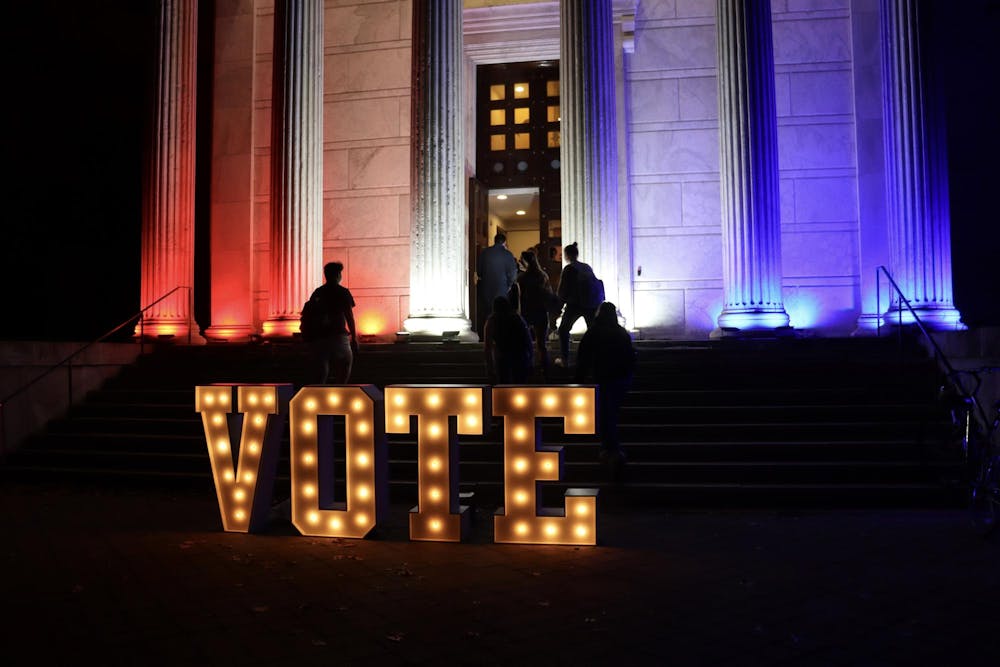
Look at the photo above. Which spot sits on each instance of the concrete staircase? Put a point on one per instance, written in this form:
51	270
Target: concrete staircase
787	422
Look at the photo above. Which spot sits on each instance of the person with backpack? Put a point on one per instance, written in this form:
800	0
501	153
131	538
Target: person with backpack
327	324
606	353
582	292
537	298
507	344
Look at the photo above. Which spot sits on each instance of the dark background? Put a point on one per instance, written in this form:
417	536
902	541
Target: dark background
77	88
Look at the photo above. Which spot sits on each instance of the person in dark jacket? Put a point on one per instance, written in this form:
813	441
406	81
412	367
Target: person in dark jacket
337	344
497	271
507	344
537	298
573	292
606	352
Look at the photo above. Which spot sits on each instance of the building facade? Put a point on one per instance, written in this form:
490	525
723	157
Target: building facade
725	165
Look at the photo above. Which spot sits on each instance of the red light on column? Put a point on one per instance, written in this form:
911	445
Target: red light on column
371	323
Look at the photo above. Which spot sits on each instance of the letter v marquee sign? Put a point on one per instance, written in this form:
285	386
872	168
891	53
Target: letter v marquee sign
244	490
442	412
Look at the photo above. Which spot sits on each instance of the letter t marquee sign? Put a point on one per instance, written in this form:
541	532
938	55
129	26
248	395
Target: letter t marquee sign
442	412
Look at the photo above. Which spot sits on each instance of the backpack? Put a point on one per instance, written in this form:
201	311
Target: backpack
590	288
315	319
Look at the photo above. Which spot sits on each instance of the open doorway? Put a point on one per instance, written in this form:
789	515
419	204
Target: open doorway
514	211
517	164
518	213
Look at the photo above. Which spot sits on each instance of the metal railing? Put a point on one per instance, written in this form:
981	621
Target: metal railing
939	354
68	361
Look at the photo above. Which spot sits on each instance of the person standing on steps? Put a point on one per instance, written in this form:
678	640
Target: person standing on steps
497	271
582	292
537	299
328	326
606	352
507	344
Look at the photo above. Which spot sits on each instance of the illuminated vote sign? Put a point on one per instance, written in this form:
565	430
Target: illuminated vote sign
244	439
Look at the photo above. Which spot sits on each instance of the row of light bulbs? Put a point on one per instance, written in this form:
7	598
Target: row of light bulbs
244	490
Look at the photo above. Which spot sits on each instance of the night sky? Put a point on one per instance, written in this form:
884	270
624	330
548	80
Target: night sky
77	89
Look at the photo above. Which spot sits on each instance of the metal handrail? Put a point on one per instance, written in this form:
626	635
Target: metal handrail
938	352
920	325
68	360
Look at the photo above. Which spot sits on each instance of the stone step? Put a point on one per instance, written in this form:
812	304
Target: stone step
87	432
631	412
631	493
755	421
707	474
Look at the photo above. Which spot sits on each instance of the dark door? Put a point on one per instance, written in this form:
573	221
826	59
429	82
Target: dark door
479	225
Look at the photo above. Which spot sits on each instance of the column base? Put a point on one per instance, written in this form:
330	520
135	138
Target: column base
934	318
433	328
170	331
752	320
868	325
232	333
760	334
281	327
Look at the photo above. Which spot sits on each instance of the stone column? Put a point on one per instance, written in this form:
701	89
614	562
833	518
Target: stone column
168	207
296	163
873	233
233	174
748	156
916	172
439	270
589	137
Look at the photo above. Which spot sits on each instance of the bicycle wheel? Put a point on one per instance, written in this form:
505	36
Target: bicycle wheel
984	501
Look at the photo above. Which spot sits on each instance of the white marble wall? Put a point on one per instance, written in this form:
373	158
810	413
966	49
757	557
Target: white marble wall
673	143
817	163
673	150
366	210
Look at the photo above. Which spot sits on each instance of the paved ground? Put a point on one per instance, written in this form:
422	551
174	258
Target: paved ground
148	577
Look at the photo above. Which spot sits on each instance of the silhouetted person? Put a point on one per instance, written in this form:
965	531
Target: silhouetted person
507	344
537	299
337	343
574	283
497	271
606	352
514	293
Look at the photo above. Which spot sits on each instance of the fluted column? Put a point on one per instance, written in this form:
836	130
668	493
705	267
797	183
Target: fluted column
589	136
916	172
748	156
296	163
439	271
232	203
168	195
873	228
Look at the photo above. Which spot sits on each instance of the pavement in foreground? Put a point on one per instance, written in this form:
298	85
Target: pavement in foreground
125	576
